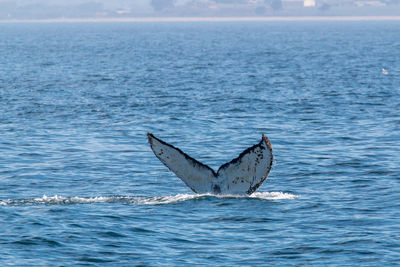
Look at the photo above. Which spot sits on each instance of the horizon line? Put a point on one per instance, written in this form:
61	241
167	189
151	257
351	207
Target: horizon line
209	19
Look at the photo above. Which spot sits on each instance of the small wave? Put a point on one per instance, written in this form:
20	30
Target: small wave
138	200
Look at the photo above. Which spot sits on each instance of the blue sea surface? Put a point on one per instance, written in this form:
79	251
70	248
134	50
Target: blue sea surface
79	184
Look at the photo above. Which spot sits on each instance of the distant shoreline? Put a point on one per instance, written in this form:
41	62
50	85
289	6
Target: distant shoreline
208	19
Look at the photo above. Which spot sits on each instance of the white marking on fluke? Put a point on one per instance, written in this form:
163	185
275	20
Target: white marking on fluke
242	175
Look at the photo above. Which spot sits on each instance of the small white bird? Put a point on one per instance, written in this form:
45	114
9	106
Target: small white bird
384	71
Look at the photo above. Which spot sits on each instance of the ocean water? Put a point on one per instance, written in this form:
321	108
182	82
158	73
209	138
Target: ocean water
79	184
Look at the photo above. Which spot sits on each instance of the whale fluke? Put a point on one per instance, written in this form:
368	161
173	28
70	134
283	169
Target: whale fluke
242	175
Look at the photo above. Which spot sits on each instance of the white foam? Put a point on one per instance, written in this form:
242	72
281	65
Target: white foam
162	200
138	200
59	200
273	195
71	200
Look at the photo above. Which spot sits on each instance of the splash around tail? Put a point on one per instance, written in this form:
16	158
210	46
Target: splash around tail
140	200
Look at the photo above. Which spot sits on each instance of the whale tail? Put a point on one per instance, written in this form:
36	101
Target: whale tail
242	175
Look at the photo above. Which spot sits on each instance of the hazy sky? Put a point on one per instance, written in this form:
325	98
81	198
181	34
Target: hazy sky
53	9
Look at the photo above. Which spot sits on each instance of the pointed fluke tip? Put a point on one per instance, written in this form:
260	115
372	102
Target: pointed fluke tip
150	137
266	139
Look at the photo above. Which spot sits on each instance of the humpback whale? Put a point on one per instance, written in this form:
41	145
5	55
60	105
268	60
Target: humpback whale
241	176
